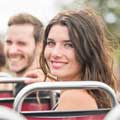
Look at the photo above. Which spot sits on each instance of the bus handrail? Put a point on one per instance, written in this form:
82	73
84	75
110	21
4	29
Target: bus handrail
62	85
11	79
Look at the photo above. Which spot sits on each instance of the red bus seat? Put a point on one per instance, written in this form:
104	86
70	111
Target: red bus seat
6	93
29	104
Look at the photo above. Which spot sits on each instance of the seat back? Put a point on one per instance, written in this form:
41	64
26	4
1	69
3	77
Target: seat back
30	103
67	115
114	114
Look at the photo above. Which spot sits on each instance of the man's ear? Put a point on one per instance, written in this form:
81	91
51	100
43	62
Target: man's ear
39	48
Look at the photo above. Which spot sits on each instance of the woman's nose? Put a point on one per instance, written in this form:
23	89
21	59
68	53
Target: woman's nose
57	51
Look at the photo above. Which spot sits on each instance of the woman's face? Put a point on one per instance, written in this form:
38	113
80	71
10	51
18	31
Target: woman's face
60	54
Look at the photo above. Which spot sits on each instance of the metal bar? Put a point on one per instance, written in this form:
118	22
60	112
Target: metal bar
13	79
62	85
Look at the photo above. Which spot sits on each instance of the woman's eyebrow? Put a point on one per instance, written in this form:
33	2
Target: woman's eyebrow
50	39
67	40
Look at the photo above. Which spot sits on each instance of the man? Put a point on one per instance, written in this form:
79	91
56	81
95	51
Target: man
23	45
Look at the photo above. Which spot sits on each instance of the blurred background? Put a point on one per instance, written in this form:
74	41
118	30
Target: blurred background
46	9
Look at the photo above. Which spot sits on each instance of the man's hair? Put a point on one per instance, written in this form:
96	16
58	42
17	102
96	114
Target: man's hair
25	18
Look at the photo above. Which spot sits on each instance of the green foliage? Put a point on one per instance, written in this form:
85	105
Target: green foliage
109	10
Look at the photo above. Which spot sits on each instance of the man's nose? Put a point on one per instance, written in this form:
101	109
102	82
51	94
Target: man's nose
13	49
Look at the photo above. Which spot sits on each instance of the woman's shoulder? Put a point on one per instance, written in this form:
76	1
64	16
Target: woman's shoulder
77	100
77	95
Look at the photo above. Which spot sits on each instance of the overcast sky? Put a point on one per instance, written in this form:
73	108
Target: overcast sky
43	9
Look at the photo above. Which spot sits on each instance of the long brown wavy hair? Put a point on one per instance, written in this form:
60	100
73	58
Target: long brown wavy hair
87	34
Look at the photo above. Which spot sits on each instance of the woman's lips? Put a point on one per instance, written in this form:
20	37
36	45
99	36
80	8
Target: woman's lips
58	64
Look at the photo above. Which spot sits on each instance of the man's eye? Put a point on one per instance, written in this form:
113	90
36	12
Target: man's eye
21	43
8	42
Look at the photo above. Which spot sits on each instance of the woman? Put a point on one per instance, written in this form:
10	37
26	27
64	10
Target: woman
75	49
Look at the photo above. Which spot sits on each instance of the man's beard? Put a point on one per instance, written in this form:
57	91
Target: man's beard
22	71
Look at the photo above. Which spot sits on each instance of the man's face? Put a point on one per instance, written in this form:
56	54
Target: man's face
20	47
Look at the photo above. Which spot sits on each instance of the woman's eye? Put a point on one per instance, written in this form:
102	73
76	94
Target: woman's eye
50	43
69	45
